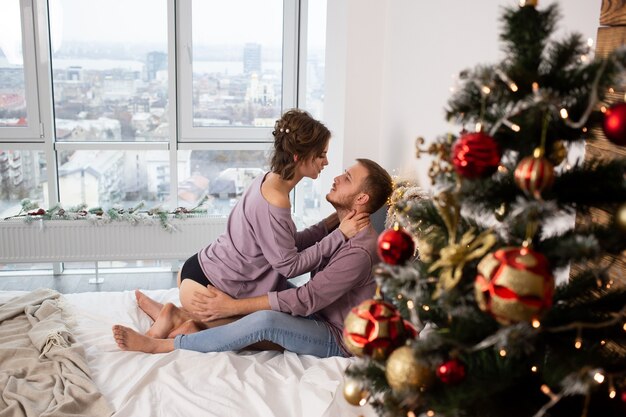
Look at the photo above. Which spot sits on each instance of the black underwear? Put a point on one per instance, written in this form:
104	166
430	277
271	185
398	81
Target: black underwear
191	270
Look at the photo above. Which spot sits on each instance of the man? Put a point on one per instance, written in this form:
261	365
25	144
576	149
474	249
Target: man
341	282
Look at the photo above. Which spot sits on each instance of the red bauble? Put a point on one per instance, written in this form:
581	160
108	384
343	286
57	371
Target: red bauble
614	125
514	285
475	155
395	246
534	175
451	372
374	328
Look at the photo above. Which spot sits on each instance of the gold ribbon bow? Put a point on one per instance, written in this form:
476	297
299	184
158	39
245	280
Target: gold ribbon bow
452	258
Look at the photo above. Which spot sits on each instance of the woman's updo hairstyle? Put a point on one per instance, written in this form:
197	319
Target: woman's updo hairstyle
296	133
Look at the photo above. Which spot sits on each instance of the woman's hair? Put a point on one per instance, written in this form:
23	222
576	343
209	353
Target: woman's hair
378	185
296	133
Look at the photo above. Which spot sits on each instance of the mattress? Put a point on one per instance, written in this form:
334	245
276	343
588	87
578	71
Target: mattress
184	383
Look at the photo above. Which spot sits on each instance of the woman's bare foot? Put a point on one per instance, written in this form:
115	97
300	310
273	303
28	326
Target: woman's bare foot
128	339
188	327
148	305
170	317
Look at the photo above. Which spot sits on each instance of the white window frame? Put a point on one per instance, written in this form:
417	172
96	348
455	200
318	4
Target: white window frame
187	131
34	130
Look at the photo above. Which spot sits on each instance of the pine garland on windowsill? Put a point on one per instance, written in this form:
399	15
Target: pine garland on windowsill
31	211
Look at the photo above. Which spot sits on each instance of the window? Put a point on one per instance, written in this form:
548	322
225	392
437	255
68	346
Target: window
164	107
19	116
110	85
237	70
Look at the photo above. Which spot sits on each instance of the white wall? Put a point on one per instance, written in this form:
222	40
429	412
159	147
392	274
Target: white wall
390	64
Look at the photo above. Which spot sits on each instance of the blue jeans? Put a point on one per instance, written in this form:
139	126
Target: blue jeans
302	335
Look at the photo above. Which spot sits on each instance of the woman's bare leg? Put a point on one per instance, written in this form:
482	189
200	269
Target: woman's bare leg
186	292
149	306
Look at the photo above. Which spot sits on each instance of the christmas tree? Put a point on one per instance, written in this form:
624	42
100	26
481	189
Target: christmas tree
498	335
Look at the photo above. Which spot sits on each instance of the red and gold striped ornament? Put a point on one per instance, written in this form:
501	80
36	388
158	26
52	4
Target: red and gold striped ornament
514	284
534	174
375	328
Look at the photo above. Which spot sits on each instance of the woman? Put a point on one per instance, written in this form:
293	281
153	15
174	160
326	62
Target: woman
261	248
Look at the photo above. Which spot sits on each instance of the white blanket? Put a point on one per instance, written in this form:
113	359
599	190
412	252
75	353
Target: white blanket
184	383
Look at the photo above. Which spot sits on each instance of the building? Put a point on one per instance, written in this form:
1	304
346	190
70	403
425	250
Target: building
252	58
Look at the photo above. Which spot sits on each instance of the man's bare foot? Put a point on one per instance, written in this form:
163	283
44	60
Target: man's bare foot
148	305
128	339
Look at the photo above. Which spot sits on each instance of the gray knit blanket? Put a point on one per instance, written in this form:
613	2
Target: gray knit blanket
43	370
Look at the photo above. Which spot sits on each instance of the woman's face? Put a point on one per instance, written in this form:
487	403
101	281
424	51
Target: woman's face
313	166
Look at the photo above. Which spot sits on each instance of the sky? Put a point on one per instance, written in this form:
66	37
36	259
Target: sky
146	20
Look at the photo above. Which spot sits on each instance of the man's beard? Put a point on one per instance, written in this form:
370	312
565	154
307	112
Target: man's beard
344	203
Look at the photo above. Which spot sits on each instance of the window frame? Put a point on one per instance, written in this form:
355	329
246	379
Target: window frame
289	99
33	131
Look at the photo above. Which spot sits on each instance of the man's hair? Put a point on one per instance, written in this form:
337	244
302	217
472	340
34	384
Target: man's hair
296	133
378	185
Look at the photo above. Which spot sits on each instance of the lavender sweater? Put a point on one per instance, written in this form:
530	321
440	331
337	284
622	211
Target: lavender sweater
261	248
340	283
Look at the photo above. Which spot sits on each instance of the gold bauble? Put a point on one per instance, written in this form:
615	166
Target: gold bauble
354	393
620	218
558	153
405	372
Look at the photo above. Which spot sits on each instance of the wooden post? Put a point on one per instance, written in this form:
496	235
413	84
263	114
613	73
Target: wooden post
611	34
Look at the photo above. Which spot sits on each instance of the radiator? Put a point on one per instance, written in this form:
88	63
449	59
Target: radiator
78	240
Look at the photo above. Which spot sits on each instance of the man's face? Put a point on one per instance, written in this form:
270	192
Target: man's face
347	186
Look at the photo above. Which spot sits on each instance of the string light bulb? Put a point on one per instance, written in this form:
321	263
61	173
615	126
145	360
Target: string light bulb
502	352
564	114
612	392
598	377
513	87
536	323
425	307
578	343
430	413
410	304
485	89
410	414
533	368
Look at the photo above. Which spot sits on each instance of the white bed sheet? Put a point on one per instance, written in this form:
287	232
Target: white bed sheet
184	383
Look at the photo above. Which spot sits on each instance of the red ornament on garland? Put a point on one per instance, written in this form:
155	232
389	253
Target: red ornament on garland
514	285
614	124
451	372
374	328
475	155
534	174
395	246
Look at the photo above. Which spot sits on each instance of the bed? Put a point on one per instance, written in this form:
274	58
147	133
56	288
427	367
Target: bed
185	383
